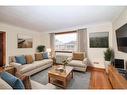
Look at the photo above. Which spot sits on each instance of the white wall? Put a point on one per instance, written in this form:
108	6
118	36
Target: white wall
94	54
117	23
45	39
11	40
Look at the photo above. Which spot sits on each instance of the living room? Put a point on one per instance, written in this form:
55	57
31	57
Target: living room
56	40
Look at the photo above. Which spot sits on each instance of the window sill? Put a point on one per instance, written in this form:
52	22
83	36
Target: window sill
64	51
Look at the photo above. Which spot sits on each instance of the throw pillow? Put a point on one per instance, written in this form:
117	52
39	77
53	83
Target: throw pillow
38	56
13	81
20	59
12	59
78	56
45	55
29	59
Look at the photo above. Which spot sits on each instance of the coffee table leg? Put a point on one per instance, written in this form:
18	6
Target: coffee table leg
65	83
49	79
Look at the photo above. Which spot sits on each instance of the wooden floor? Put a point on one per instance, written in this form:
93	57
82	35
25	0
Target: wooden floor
99	80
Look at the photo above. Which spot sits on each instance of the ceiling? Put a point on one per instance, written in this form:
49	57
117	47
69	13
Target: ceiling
51	18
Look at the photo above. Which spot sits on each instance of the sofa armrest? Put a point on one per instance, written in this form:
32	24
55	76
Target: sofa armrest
16	65
18	74
69	59
25	79
85	61
36	85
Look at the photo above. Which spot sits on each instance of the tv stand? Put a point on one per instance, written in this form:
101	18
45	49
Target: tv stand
116	79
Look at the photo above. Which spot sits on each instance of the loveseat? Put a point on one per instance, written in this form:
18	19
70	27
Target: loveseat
29	67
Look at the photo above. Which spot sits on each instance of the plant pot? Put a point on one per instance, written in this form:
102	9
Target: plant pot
107	63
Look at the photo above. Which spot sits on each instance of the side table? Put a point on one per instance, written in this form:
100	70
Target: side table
8	69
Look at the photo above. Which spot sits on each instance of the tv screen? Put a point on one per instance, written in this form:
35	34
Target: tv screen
121	36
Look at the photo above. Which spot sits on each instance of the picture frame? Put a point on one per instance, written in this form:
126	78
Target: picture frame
99	40
24	41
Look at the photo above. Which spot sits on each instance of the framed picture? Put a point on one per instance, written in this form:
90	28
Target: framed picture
99	40
24	41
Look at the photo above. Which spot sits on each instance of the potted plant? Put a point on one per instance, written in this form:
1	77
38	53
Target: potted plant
41	48
108	56
62	68
65	62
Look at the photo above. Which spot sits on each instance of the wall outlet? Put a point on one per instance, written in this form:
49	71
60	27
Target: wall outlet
96	62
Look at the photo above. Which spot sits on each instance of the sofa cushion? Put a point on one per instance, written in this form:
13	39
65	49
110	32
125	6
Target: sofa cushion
29	59
36	85
76	63
78	56
46	61
13	81
4	85
20	59
45	55
34	65
38	56
27	67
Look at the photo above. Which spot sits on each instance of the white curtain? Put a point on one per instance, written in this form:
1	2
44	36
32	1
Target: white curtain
52	44
82	40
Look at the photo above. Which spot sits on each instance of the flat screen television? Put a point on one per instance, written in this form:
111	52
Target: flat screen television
121	36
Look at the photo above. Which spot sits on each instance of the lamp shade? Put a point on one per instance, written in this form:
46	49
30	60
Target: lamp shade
48	50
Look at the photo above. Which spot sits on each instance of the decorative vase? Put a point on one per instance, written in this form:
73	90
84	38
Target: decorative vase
64	66
107	63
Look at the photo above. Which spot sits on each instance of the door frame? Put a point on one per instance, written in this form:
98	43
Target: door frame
4	47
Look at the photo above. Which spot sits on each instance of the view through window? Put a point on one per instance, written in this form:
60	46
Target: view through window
66	42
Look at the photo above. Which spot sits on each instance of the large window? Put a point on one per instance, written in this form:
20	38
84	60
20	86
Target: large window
65	42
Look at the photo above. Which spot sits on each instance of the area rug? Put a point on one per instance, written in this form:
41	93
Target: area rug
80	80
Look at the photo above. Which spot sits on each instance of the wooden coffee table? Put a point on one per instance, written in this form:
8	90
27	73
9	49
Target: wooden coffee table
60	78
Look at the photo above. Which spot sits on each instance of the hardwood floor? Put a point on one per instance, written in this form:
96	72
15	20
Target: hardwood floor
99	80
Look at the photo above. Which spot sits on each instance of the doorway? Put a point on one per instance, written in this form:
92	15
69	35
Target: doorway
2	48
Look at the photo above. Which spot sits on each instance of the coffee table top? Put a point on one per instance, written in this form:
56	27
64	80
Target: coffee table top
65	73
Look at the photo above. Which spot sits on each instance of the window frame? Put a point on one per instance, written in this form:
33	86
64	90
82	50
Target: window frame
60	33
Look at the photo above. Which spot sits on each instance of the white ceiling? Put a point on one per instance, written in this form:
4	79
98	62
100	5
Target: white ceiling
51	18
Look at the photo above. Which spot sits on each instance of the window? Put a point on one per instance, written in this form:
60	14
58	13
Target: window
65	42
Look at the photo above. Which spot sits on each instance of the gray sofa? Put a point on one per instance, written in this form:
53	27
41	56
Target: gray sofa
34	67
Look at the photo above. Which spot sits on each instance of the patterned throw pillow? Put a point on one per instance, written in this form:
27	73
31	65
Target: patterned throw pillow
12	59
78	56
13	81
29	59
38	56
20	59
